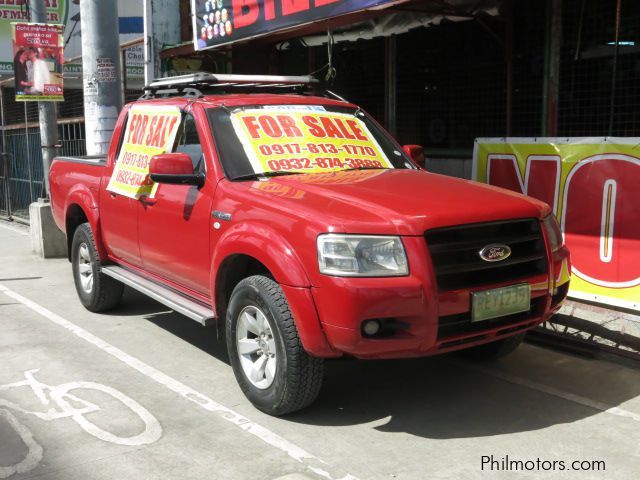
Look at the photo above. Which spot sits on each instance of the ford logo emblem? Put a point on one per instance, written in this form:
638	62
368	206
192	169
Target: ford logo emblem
495	252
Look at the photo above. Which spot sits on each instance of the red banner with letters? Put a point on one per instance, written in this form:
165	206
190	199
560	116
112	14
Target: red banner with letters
592	186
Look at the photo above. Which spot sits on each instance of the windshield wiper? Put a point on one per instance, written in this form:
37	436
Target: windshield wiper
254	176
363	168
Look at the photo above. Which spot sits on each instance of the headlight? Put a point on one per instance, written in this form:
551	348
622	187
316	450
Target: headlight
361	256
553	231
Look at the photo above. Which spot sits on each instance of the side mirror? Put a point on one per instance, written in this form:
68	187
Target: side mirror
175	169
416	153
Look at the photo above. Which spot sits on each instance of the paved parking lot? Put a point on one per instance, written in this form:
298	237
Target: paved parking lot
145	393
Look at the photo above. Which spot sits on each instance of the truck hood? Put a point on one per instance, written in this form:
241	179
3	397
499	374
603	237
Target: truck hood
401	202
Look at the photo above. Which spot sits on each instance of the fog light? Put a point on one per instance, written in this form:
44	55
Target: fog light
371	327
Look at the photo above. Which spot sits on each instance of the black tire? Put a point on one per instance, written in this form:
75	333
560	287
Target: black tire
298	376
494	350
105	292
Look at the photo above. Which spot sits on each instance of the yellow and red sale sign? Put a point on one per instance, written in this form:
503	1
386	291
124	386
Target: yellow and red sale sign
306	139
151	130
592	186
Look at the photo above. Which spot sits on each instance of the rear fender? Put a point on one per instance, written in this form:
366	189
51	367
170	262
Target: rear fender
85	199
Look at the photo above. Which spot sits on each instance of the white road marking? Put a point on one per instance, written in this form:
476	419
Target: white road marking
152	429
61	397
271	438
572	397
34	450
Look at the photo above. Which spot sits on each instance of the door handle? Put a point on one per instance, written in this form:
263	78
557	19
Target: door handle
112	195
148	202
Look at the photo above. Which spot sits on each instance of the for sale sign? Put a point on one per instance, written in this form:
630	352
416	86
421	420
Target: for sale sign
150	131
306	139
38	51
592	186
219	22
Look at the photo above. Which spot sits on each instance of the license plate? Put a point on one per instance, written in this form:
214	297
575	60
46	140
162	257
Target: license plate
500	302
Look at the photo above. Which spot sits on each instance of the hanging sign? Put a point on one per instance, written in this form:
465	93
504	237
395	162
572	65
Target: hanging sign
38	51
220	22
151	130
592	186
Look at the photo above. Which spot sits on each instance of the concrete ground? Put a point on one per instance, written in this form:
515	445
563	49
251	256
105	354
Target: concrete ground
145	393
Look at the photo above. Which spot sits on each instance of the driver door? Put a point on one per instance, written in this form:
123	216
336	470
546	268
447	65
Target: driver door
174	226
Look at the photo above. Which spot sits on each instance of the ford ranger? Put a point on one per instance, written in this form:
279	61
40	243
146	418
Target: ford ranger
290	218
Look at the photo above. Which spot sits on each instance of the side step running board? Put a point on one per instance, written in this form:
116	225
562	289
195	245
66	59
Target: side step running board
172	299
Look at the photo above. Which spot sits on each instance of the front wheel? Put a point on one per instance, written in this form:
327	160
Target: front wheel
97	292
270	364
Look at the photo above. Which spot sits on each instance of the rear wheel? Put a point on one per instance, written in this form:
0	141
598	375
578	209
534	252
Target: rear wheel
270	364
493	350
97	292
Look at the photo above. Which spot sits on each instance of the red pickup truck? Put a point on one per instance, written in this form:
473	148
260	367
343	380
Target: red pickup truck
305	230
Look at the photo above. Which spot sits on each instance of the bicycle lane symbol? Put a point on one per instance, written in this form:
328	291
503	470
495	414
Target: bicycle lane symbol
63	404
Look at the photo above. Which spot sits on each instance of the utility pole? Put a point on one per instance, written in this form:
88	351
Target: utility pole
161	28
102	77
47	111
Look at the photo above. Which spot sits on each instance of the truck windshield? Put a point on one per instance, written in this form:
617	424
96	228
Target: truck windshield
291	139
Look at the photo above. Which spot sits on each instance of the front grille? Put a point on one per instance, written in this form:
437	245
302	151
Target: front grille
461	324
455	253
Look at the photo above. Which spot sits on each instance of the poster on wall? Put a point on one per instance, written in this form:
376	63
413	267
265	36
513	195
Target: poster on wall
591	185
220	22
38	53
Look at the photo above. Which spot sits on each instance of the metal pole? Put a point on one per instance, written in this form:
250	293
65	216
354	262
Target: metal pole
390	84
553	43
614	72
5	157
508	55
149	51
47	111
28	151
123	70
101	72
161	28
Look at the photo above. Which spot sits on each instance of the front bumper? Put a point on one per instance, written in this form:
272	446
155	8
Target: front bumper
431	322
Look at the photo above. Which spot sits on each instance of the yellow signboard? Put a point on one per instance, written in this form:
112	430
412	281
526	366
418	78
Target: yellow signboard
592	186
306	139
151	130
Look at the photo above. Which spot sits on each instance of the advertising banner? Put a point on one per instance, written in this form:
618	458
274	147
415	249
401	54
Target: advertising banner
15	11
306	139
219	22
38	53
150	131
592	186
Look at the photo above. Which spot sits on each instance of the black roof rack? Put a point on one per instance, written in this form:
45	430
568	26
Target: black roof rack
191	86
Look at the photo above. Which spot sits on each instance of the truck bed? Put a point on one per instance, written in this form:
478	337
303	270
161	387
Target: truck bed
86	159
73	178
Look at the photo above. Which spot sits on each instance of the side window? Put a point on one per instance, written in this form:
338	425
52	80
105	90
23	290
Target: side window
188	141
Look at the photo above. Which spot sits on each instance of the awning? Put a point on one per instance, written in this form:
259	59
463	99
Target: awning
403	21
348	19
